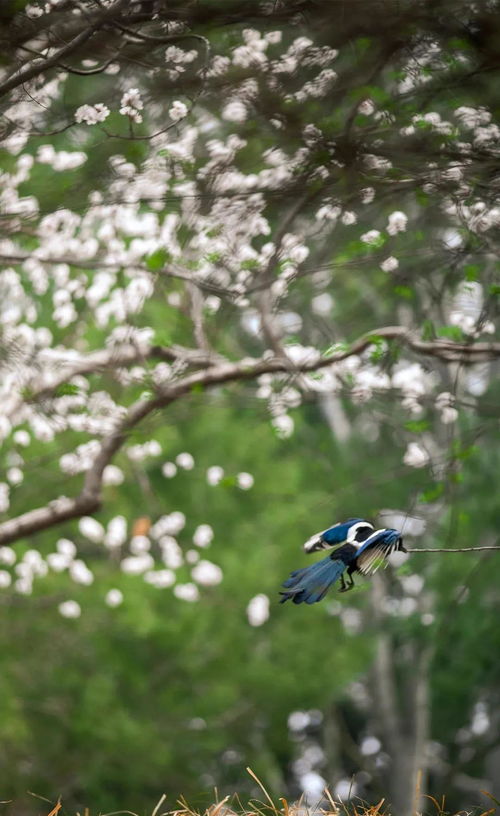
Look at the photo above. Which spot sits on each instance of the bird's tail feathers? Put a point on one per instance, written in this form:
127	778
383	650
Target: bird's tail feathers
310	584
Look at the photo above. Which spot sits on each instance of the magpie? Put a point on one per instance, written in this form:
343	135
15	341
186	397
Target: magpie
359	548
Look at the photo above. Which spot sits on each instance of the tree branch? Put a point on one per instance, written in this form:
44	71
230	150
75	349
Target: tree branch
35	69
448	549
214	374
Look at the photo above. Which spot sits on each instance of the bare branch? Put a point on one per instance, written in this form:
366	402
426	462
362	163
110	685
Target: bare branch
34	69
451	549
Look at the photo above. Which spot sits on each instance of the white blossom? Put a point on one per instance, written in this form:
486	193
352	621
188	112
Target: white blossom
131	105
349	218
245	481
283	425
91	529
70	609
397	222
5	579
445	403
366	107
139	544
412	584
116	532
177	111
4	497
7	556
322	304
22	438
206	573
370	746
80	573
235	111
185	461
258	610
367	195
58	562
169	470
112	475
114	597
215	474
169	525
187	592
203	535
416	456
171	552
390	264
66	548
161	579
15	475
137	564
371	237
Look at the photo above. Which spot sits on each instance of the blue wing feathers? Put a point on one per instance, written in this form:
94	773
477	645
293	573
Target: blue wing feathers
338	533
310	584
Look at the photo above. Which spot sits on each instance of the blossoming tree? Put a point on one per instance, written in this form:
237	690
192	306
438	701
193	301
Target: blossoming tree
288	205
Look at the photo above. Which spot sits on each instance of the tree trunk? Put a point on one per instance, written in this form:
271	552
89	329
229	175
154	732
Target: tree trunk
403	713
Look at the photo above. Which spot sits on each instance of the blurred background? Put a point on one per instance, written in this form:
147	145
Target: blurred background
233	184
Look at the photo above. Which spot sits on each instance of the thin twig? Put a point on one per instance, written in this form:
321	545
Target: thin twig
450	549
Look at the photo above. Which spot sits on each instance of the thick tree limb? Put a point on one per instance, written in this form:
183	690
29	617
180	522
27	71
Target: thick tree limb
254	367
214	374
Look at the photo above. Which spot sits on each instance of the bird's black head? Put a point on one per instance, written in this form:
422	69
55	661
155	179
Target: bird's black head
360	532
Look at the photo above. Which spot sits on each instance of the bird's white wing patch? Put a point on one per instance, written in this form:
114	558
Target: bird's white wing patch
375	557
315	543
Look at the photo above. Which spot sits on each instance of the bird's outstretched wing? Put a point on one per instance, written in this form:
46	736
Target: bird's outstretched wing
375	551
310	584
338	534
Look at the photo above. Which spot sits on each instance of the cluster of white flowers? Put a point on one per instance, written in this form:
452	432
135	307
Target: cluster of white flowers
397	222
445	403
132	105
91	114
372	237
414	383
177	59
390	264
177	111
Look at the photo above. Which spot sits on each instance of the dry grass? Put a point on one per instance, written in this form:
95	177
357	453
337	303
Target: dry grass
232	806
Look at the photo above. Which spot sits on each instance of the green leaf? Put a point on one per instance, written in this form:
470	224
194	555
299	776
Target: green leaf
451	332
416	425
162	338
213	257
432	494
157	259
228	481
471	272
66	390
404	292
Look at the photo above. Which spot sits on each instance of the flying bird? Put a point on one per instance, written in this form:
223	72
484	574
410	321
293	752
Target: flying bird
359	548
